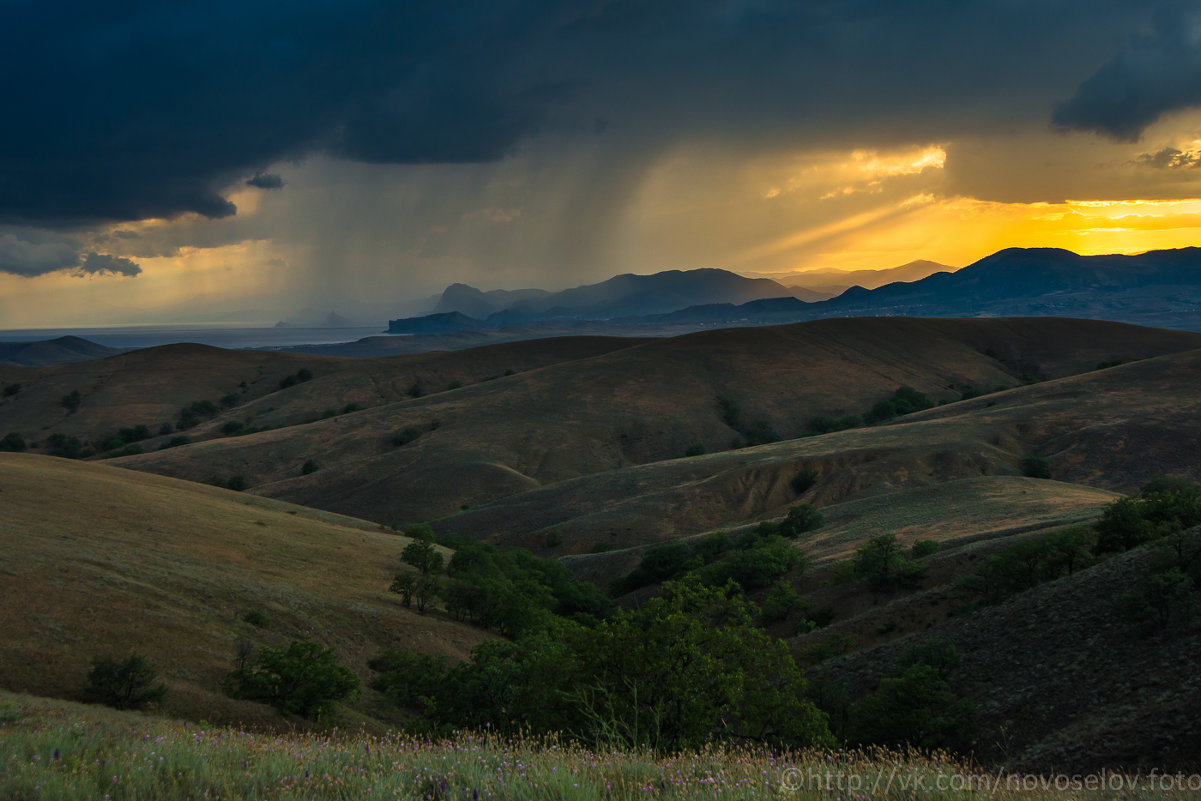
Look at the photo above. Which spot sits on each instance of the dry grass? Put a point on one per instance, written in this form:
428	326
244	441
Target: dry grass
64	751
100	560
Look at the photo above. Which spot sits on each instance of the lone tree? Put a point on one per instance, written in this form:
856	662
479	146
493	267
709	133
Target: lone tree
128	684
305	680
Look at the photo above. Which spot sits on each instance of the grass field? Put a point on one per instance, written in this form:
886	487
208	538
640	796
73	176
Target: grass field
100	560
57	750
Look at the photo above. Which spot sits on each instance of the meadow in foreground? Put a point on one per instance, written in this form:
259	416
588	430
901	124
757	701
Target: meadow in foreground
59	750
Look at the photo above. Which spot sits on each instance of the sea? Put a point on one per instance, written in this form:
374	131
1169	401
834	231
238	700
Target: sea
146	336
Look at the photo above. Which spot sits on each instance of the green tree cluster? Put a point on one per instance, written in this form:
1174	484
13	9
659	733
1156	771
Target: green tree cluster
916	705
688	668
905	400
305	679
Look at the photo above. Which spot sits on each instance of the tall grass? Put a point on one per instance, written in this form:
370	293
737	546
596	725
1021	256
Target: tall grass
51	750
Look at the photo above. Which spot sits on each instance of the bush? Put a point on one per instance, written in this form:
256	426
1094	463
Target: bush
805	479
128	684
72	400
299	377
175	442
802	518
309	467
191	415
918	708
11	389
828	425
905	400
67	447
257	618
12	442
232	427
923	548
414	391
304	680
882	561
1036	467
134	433
695	450
405	436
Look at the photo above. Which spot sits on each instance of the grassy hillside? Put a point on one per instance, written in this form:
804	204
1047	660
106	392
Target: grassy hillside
653	402
1114	429
101	561
150	386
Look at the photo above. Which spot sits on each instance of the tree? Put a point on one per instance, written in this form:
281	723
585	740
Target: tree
12	442
691	667
802	518
1036	467
422	555
405	585
882	560
72	400
305	680
918	708
127	684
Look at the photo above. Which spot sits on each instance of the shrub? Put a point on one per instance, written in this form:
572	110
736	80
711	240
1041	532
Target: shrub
72	400
554	538
127	684
405	436
828	425
175	442
923	548
1036	467
67	447
232	427
12	442
804	480
780	601
309	467
191	415
801	518
11	389
257	618
882	561
905	400
695	450
919	708
415	391
236	483
165	429
305	680
134	433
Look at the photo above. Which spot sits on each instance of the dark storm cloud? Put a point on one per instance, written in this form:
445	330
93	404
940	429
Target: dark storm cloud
102	264
129	110
1155	75
32	252
265	180
1170	158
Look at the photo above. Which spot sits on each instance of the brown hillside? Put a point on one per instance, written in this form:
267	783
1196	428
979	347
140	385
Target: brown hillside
528	432
99	561
150	386
1113	428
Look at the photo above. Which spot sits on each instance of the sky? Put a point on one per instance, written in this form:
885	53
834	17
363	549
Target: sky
242	161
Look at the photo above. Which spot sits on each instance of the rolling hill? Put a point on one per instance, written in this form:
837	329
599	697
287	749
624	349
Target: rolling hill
626	416
148	564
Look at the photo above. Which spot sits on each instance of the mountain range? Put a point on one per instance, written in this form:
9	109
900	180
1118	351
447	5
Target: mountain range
1161	288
